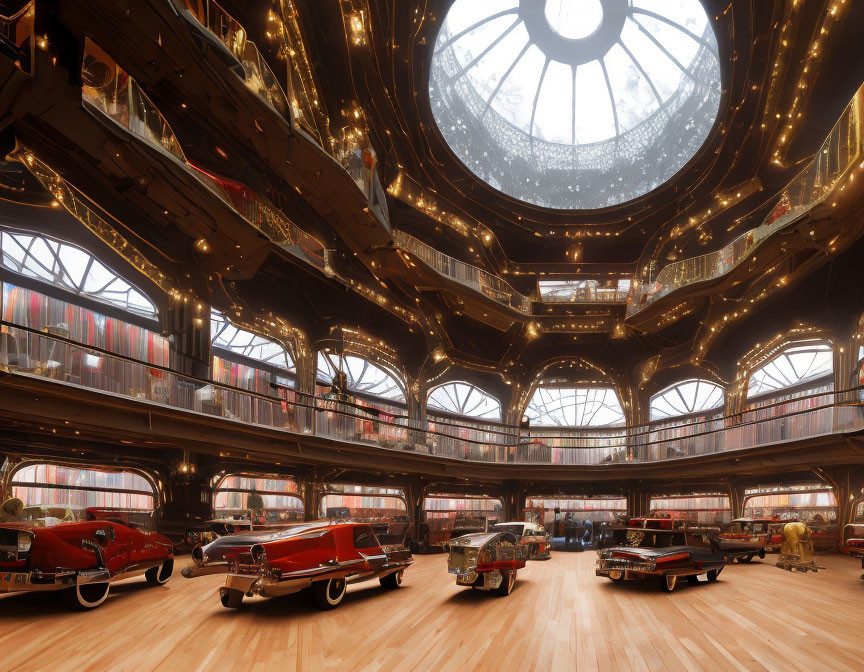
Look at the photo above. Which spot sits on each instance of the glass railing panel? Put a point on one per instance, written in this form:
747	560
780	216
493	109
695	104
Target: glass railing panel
354	153
841	151
488	284
256	73
17	40
110	90
30	353
614	290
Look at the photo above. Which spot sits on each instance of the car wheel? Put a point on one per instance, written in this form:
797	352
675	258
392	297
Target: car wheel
328	594
231	598
668	582
712	575
84	597
761	553
748	558
507	583
616	576
157	576
392	581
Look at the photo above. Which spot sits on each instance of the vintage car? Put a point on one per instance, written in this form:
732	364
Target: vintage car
532	535
80	560
664	553
743	539
322	556
487	560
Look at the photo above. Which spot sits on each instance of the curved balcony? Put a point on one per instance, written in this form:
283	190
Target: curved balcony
27	353
476	278
842	150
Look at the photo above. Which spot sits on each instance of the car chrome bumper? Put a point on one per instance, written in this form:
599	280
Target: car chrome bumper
18	582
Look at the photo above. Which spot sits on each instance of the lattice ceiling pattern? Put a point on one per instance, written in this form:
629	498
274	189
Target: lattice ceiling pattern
225	335
575	105
465	399
575	407
362	376
794	366
71	268
686	397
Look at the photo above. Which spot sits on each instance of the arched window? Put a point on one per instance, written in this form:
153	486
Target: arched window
70	267
262	499
796	365
362	376
225	335
57	491
686	397
465	399
575	407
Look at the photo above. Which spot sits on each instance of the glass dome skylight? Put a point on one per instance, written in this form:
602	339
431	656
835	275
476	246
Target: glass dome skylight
575	104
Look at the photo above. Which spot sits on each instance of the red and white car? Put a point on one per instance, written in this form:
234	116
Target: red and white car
322	556
80	560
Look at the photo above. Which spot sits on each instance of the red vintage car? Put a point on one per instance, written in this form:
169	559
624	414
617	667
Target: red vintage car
322	556
80	560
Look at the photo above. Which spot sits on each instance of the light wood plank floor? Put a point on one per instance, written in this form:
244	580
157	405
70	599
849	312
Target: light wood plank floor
559	617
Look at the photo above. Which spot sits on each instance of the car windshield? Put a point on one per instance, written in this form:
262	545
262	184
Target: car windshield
516	529
649	538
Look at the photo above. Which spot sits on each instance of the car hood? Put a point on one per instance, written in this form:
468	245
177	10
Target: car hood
655	552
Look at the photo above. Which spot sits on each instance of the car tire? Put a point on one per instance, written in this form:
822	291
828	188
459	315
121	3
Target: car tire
668	582
616	576
712	575
159	575
507	583
747	558
231	598
85	597
761	553
328	593
392	581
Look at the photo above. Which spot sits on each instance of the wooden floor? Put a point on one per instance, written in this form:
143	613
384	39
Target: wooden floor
559	617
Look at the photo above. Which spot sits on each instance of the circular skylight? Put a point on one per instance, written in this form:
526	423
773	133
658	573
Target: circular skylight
575	104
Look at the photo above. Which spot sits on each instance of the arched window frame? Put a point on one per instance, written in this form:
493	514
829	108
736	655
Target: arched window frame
363	375
679	400
464	399
587	403
773	375
226	336
70	267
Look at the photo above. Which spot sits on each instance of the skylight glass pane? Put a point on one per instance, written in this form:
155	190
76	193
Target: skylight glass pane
689	396
575	407
71	268
794	366
461	398
362	376
502	92
225	335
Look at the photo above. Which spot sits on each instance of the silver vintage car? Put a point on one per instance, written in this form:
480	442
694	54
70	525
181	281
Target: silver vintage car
487	560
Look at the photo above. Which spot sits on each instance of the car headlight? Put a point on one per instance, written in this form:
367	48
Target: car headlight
259	555
25	541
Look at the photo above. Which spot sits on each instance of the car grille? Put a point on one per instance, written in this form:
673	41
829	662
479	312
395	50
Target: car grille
624	564
462	560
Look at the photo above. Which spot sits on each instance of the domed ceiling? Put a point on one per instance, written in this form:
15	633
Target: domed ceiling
575	104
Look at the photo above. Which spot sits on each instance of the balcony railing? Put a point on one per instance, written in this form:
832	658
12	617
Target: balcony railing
17	39
476	278
615	290
840	152
28	353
